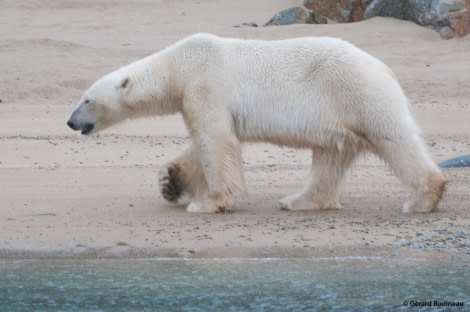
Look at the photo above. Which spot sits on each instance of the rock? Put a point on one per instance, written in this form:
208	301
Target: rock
420	234
47	214
243	25
342	11
450	18
457	162
462	234
296	15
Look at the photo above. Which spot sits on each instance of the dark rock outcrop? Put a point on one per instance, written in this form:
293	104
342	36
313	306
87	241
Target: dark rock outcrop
450	18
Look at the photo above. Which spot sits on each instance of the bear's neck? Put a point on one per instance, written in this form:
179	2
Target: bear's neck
163	95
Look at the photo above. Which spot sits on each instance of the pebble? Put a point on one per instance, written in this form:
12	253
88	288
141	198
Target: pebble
47	214
457	162
462	234
404	242
443	231
245	24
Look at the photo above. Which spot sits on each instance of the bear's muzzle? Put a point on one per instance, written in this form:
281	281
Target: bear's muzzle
85	128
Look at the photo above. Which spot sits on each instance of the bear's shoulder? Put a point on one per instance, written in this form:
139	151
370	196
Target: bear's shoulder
200	39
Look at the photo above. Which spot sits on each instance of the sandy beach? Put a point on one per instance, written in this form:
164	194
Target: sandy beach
69	196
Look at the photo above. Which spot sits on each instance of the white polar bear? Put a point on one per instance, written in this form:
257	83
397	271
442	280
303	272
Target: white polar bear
318	93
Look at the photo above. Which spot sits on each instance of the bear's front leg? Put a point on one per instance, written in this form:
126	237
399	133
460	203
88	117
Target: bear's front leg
210	124
221	161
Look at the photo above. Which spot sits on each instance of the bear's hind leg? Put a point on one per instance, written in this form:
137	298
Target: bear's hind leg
410	161
327	174
183	176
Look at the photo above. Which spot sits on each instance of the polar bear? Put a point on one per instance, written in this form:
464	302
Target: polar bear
319	93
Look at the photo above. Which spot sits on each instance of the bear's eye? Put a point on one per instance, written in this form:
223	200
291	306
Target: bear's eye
124	83
87	102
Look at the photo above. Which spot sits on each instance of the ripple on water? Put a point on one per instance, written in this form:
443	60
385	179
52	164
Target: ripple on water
341	284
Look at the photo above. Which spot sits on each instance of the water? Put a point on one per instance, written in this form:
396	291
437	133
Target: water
232	285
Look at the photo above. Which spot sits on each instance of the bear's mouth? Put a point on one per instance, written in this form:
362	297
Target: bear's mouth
87	128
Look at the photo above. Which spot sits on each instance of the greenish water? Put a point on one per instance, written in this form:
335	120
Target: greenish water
232	285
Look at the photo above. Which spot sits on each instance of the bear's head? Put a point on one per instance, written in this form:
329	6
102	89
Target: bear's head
103	104
141	89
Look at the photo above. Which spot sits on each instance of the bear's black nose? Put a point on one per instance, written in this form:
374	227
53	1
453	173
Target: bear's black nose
71	124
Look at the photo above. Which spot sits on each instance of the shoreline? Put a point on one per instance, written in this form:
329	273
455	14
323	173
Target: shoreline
395	253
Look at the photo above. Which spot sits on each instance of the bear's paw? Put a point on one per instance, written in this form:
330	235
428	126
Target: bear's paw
171	184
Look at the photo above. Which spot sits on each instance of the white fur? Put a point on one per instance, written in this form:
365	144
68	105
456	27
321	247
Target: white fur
318	93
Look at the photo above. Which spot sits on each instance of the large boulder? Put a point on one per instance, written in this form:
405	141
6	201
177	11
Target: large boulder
451	18
342	11
296	15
